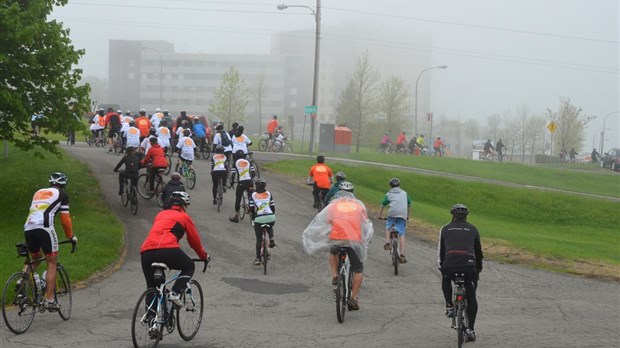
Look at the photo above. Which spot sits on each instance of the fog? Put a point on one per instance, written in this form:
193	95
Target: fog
500	54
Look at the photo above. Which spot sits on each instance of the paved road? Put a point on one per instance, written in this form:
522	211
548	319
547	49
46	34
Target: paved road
293	305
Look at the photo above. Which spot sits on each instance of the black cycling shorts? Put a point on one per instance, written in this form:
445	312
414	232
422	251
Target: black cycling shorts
39	238
357	266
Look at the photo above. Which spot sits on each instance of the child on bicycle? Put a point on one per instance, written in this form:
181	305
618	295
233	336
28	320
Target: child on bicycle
320	176
397	216
131	171
156	158
219	170
174	185
263	211
340	177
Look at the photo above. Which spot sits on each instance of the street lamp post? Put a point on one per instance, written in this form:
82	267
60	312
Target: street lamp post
603	131
415	125
315	84
161	75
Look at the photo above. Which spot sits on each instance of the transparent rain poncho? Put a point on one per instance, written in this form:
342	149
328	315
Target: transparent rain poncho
343	222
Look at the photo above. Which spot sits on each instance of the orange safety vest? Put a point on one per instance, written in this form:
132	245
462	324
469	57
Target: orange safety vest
101	121
346	218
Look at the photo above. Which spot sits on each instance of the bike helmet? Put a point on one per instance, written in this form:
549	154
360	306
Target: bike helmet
166	112
260	185
459	209
142	112
186	132
275	116
235	125
346	186
58	179
175	175
320	159
152	131
158	110
128	112
340	176
394	182
179	198
219	149
240	154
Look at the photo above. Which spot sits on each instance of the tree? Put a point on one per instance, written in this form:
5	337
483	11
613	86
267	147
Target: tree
570	125
357	100
392	100
259	93
535	134
471	128
493	122
37	75
230	98
521	131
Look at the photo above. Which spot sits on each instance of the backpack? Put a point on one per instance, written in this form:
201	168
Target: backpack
225	140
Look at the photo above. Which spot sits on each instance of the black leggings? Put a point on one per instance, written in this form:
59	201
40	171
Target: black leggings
133	177
174	259
242	187
471	283
259	235
215	175
318	190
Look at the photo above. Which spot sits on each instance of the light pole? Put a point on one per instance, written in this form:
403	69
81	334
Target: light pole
415	125
161	75
315	84
603	131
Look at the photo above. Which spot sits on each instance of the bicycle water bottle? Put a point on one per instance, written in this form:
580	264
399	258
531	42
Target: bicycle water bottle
43	282
37	281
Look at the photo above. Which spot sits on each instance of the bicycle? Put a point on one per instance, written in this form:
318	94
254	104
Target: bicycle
253	163
219	198
153	312
282	146
130	196
343	284
23	292
264	246
188	173
394	236
115	146
159	185
96	139
460	321
203	149
264	144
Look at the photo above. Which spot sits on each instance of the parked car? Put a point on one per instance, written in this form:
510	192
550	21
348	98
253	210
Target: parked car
611	159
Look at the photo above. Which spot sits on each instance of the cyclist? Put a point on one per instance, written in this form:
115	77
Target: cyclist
344	222
271	130
488	149
186	147
438	146
401	141
132	168
156	118
146	143
99	123
460	251
133	135
385	142
163	133
123	131
162	245
499	145
320	177
144	124
185	125
397	215
200	132
113	120
221	137
245	173
263	211
340	177
40	233
219	170
174	185
233	130
240	141
157	160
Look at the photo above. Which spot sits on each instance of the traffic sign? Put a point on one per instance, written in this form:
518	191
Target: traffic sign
310	109
551	126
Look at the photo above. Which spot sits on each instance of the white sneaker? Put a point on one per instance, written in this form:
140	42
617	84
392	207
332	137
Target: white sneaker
175	298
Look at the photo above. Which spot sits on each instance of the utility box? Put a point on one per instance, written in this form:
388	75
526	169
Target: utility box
326	137
342	139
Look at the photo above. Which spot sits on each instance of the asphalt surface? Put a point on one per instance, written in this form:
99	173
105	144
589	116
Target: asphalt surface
293	305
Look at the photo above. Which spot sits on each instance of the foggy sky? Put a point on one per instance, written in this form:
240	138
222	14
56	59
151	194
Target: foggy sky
500	54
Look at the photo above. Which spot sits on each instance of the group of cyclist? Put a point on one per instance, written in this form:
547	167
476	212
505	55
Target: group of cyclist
343	222
416	145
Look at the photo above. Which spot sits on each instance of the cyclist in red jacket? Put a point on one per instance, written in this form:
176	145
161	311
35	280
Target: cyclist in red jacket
162	244
156	157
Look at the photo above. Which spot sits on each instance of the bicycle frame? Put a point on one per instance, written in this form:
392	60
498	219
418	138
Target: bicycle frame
344	280
459	319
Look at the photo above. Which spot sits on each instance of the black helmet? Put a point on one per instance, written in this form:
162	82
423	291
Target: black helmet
260	185
132	123
219	149
142	112
320	159
58	179
340	176
394	182
179	198
152	131
235	125
346	186
275	116
240	154
186	132
459	209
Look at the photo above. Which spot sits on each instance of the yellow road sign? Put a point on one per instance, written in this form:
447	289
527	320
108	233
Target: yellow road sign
552	126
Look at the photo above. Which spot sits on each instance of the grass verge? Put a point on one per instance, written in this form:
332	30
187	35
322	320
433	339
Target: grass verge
99	231
545	229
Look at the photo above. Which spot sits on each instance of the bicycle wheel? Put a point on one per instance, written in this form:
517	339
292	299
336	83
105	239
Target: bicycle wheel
265	252
242	208
262	145
62	293
18	303
460	329
143	187
288	148
146	321
191	179
205	152
159	191
169	167
255	165
88	140
125	194
220	194
133	199
341	297
395	256
189	316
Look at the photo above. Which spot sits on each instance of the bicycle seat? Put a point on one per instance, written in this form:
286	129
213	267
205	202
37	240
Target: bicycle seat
22	249
458	278
159	265
265	226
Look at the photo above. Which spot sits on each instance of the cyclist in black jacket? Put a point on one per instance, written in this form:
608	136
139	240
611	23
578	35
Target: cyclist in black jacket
174	185
132	167
460	251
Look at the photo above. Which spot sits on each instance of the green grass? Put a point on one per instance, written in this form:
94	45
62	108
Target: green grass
548	224
99	231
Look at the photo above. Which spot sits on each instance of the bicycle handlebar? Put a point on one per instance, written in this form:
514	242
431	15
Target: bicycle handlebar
206	263
73	244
